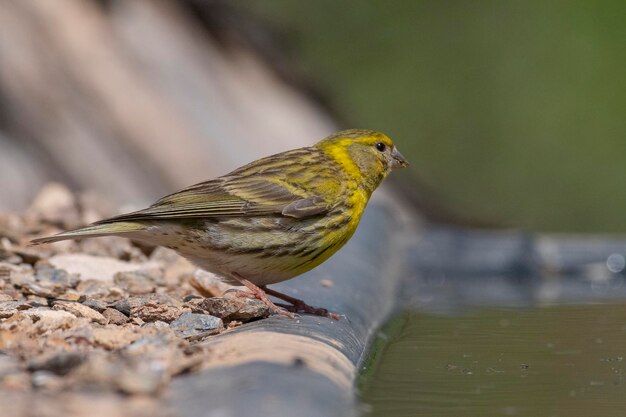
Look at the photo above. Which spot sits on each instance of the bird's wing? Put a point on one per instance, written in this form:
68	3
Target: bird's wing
232	196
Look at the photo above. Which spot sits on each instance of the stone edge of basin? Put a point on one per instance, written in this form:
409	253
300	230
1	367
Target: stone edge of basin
307	366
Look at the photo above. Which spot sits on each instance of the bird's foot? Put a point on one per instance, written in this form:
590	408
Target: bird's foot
299	306
258	293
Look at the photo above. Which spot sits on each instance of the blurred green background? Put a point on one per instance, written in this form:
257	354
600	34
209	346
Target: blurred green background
514	111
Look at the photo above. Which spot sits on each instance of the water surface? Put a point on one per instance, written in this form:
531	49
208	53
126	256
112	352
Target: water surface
542	361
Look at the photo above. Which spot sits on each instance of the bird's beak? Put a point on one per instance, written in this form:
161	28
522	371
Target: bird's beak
398	160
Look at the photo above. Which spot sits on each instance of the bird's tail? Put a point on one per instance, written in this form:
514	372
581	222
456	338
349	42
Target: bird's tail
95	230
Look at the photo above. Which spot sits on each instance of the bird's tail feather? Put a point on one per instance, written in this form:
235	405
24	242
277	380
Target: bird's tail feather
95	230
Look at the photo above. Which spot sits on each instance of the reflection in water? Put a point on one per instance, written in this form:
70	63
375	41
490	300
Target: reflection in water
548	361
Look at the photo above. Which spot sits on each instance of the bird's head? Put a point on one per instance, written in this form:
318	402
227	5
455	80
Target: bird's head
366	155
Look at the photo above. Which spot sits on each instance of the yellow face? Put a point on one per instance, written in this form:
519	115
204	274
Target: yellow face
367	155
365	145
379	145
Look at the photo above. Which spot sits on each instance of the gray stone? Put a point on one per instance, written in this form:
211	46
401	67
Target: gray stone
156	325
9	308
49	282
96	304
37	301
196	326
16	273
93	288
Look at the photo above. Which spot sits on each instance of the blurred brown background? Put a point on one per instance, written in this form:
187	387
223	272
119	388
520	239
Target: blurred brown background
513	112
134	99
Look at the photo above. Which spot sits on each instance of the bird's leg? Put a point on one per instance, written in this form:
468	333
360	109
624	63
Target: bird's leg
259	294
299	305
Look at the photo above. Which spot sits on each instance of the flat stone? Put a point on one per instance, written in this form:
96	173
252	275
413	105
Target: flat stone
71	296
13	293
15	273
96	304
112	337
49	282
229	309
125	305
80	310
114	316
93	288
47	319
156	312
152	343
40	290
46	273
196	326
156	325
37	301
9	308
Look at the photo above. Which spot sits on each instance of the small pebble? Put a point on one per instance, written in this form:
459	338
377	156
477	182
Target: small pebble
9	308
196	326
235	308
96	304
156	312
80	310
327	283
93	288
125	305
114	317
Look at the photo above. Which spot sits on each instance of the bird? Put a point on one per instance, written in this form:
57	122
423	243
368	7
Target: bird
268	221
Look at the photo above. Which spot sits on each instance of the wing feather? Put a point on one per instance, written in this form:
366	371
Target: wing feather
253	190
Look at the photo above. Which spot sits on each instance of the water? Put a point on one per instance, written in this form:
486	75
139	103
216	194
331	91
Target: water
561	360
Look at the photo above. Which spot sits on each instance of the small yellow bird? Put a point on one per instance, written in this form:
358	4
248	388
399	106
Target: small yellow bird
268	221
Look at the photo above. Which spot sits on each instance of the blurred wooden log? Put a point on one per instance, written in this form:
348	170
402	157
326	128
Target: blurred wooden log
134	100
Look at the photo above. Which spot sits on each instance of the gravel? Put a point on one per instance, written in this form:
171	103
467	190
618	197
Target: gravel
100	316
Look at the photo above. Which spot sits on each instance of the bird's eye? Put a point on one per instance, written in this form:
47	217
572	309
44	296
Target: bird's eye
381	146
